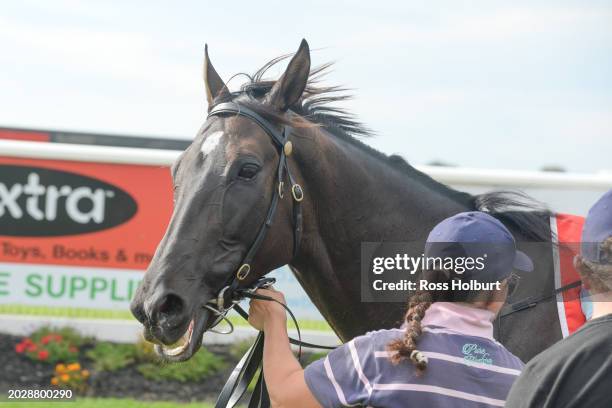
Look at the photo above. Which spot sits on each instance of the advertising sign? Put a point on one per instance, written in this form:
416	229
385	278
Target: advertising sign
78	233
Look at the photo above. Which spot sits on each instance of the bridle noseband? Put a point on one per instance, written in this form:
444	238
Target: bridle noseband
228	296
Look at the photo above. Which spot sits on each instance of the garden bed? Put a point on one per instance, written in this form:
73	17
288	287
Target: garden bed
109	376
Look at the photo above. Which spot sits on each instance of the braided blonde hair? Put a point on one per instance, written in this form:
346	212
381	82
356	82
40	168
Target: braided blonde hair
406	347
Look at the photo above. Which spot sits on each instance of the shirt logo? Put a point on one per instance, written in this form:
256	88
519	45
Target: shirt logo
473	353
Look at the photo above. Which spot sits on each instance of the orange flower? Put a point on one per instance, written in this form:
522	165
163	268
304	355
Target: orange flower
54	381
85	373
60	368
65	377
74	367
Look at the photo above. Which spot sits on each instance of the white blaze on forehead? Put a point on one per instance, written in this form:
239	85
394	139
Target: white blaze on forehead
211	142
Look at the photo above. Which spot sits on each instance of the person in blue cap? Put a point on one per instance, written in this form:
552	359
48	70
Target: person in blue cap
443	355
577	371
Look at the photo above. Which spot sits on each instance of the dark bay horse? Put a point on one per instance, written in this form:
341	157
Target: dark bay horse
226	179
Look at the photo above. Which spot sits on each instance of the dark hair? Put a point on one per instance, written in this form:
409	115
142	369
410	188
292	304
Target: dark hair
317	107
516	210
405	348
599	275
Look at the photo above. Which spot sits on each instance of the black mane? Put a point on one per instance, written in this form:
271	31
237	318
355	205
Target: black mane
317	104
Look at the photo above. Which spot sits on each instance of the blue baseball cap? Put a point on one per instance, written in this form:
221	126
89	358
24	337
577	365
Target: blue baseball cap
477	234
597	228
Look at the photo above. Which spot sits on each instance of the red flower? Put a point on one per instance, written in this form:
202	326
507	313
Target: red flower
73	349
57	337
20	348
43	355
31	347
27	340
45	339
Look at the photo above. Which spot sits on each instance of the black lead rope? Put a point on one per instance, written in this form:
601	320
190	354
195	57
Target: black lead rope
251	364
296	342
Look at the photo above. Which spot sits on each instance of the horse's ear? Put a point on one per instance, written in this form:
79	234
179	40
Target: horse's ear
290	86
212	80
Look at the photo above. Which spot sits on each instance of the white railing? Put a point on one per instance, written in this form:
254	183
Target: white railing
517	178
450	175
87	153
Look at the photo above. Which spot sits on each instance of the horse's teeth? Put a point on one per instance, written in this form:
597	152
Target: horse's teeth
181	344
174	351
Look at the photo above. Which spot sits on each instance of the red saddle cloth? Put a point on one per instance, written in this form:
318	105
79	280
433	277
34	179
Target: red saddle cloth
567	229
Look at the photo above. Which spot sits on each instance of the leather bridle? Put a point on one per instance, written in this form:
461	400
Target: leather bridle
234	290
226	297
531	302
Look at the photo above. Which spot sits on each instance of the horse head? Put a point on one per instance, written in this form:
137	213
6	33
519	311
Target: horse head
224	183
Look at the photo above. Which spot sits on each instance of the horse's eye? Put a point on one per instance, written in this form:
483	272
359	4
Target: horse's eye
248	171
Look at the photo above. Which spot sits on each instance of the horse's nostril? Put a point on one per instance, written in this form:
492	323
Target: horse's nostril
138	312
171	305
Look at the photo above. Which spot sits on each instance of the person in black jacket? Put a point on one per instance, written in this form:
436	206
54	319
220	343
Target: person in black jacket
577	372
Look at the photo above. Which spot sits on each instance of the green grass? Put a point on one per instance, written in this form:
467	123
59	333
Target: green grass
104	403
305	324
202	365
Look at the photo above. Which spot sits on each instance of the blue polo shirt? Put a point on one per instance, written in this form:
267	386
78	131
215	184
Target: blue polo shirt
467	367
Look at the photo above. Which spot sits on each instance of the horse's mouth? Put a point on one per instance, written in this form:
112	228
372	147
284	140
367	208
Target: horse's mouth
187	345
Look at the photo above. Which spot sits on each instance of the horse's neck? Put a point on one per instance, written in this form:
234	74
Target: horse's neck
353	196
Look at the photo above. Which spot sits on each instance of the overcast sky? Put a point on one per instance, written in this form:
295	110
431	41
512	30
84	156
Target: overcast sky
514	85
